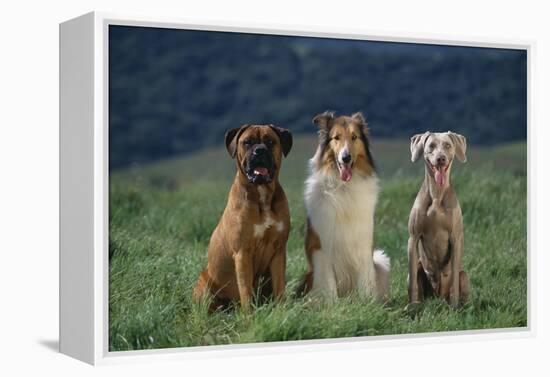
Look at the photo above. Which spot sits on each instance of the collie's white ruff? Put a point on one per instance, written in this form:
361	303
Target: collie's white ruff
342	215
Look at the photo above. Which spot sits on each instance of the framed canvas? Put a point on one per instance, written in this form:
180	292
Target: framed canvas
231	189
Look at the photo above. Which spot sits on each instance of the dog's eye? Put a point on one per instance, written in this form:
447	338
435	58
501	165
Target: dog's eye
248	142
336	137
447	145
354	137
431	146
270	142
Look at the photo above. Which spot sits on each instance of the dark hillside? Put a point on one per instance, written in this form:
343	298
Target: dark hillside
174	92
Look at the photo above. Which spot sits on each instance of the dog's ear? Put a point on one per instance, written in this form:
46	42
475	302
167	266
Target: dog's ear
232	138
323	120
417	145
359	118
285	136
460	145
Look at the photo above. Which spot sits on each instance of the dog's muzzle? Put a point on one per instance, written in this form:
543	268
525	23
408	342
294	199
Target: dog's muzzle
260	167
345	165
439	169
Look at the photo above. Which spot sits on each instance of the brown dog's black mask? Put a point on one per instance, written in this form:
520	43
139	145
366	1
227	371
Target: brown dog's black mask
259	164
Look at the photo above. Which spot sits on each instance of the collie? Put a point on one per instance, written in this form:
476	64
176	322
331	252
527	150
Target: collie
340	198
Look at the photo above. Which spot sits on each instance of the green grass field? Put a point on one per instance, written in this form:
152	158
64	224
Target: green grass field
161	217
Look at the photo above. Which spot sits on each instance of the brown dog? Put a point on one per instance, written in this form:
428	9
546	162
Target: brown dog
436	235
248	247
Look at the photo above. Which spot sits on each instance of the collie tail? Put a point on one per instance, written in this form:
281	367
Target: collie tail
382	270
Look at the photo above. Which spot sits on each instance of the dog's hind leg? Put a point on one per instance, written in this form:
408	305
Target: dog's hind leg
312	245
202	291
202	286
463	287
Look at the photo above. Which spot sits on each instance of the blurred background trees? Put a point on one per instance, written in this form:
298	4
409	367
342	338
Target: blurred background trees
174	92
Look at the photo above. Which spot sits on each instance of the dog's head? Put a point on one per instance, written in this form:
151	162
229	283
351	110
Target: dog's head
439	149
343	145
259	150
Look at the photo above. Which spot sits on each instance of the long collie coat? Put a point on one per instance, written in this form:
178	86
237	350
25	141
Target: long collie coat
340	197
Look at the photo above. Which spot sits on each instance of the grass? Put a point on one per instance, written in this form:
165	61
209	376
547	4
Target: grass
162	215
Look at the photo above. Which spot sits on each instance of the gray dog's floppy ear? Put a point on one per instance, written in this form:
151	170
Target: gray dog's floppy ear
285	136
232	137
460	145
417	145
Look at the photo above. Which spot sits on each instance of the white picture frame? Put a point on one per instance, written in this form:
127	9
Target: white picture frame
84	192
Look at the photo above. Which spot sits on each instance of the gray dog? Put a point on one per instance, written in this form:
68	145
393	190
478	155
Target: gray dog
436	236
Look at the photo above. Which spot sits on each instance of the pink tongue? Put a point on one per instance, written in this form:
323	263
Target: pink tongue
439	177
345	173
260	171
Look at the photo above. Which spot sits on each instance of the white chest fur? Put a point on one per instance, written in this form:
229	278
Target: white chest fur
342	215
267	216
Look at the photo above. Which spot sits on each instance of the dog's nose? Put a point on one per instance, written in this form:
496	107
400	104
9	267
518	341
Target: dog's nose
346	157
260	149
441	159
